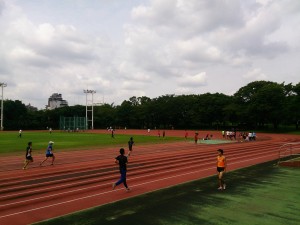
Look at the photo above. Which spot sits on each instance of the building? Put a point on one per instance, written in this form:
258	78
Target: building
56	101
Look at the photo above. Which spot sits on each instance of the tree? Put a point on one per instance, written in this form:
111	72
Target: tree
261	102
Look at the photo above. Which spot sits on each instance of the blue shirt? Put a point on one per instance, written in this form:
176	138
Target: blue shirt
49	149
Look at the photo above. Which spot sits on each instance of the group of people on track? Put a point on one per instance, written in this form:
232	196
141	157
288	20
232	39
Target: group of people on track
29	158
122	161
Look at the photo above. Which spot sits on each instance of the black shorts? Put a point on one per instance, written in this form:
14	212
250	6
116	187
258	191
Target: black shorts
49	155
220	169
29	158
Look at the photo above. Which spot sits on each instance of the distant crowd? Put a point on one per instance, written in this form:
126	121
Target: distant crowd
246	136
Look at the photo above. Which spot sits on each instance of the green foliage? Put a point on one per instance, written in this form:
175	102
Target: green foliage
252	107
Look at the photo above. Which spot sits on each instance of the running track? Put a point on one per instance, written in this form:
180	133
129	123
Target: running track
84	180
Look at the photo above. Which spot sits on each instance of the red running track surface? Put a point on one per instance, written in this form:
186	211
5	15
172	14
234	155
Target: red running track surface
84	179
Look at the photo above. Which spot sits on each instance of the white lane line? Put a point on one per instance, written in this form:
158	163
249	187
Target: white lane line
102	193
96	186
101	185
106	192
113	170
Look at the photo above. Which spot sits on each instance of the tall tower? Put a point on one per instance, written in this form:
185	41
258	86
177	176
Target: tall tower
2	85
89	108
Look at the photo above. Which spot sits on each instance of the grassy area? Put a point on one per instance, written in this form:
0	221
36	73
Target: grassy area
261	194
11	144
295	132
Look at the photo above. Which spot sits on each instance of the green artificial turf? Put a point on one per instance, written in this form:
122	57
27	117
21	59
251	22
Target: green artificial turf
261	194
10	143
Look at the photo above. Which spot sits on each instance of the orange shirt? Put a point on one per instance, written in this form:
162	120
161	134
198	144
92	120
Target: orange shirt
221	161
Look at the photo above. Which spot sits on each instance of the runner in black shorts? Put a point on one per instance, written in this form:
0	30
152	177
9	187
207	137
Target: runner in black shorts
28	156
130	144
221	168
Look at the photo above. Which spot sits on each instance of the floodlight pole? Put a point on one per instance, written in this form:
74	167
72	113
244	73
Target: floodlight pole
92	92
2	85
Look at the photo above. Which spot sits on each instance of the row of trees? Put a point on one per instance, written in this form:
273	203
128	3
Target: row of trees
253	106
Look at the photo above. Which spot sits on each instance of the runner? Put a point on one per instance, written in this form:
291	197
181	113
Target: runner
221	168
49	153
28	156
130	144
122	161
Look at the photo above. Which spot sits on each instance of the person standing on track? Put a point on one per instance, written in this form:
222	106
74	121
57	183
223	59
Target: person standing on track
130	144
196	137
221	168
112	133
122	160
49	153
28	156
186	134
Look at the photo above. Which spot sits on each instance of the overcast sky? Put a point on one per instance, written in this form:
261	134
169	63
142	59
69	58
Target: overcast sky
125	48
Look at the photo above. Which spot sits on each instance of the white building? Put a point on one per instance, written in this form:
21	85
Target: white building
56	101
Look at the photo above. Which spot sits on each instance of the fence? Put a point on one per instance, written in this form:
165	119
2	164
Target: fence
72	123
288	152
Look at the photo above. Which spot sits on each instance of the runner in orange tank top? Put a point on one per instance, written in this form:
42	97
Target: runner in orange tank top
221	168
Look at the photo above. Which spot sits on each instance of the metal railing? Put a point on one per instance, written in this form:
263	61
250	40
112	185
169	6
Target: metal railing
289	151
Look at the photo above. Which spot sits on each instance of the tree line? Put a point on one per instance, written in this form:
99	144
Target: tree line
257	105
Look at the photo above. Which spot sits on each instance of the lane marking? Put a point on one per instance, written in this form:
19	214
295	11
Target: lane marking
106	192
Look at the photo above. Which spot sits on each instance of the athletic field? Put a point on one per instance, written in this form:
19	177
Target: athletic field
172	178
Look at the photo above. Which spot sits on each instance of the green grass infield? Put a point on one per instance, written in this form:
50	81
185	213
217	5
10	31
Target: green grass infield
260	194
11	143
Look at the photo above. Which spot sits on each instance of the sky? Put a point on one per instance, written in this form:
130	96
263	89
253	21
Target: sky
152	48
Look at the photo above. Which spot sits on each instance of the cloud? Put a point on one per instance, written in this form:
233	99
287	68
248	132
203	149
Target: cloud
149	48
193	80
255	74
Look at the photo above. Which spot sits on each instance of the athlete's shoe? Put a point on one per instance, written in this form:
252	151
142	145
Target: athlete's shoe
114	186
224	186
220	188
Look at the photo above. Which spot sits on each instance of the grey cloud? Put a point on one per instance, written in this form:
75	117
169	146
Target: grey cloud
163	47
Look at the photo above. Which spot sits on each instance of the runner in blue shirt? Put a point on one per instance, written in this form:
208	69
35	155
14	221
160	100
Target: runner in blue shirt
49	153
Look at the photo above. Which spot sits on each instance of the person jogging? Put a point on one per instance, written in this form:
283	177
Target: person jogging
130	144
122	161
49	153
221	169
28	156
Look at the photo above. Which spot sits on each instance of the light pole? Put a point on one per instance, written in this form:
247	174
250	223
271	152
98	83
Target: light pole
2	85
92	92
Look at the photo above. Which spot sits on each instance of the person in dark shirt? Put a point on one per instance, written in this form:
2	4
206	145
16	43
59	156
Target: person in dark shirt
28	156
122	161
130	144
